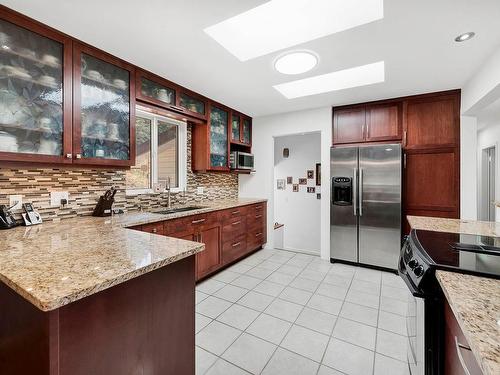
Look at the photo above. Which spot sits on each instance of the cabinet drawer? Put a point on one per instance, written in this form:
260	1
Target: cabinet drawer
156	228
234	249
233	228
256	237
232	213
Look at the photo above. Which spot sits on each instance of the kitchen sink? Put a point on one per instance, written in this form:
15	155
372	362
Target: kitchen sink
178	209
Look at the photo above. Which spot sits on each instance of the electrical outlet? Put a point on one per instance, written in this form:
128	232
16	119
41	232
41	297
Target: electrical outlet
200	190
16	201
56	196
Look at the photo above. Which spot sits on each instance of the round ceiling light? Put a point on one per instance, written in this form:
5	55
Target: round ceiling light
296	62
465	36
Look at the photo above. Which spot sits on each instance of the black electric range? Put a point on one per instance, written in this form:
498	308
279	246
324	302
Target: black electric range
422	254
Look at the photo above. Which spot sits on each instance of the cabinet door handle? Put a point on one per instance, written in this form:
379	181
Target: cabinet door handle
404	160
200	239
154	230
237	222
258	216
197	221
405	134
258	234
236	244
235	212
459	346
69	156
78	156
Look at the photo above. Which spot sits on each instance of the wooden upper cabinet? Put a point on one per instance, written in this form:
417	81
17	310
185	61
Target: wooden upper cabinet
432	121
192	104
103	108
383	122
155	90
349	125
241	129
35	91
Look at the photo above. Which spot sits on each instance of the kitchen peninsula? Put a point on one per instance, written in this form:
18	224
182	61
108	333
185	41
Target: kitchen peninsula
90	296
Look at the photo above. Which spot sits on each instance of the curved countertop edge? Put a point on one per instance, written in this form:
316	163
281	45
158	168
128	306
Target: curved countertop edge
120	222
474	314
53	304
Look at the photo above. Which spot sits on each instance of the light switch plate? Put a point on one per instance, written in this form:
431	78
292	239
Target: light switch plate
16	198
200	190
56	196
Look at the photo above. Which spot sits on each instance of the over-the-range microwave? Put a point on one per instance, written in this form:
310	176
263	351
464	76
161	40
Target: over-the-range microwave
241	160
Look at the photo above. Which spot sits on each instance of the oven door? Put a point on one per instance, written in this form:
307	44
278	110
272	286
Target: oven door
415	327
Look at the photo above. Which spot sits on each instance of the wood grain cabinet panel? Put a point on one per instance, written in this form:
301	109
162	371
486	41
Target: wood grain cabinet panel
349	125
458	357
211	258
432	121
384	122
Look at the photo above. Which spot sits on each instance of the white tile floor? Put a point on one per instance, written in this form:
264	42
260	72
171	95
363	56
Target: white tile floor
279	312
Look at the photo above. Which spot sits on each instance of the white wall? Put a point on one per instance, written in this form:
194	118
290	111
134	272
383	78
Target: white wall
300	212
488	137
468	168
261	183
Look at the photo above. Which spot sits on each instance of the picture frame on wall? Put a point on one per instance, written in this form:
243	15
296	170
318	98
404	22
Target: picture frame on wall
311	189
310	174
289	180
295	188
280	184
318	174
302	181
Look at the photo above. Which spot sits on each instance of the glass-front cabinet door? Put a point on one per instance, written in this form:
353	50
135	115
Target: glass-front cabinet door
155	90
219	138
103	109
246	131
193	104
35	93
235	127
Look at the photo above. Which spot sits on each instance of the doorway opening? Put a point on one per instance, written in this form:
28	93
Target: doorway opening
487	204
297	192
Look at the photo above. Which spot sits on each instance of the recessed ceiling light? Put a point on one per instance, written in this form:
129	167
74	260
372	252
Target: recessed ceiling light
280	24
339	80
465	36
296	62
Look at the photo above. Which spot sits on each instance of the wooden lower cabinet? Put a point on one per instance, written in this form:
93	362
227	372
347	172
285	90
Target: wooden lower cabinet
211	259
458	357
228	235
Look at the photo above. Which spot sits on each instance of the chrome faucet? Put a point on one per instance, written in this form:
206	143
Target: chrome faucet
167	188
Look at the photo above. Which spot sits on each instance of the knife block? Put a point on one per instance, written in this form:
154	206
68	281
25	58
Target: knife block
103	207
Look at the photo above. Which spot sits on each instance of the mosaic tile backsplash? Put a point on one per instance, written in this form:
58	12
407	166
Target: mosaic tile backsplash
85	185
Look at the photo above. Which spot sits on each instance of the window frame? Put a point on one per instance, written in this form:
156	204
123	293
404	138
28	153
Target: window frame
181	154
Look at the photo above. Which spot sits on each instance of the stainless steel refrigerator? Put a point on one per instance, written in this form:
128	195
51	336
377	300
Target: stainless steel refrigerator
365	207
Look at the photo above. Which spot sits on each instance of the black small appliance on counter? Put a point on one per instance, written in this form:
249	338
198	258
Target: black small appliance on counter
104	206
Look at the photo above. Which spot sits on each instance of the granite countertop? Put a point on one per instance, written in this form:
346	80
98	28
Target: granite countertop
483	228
56	263
475	302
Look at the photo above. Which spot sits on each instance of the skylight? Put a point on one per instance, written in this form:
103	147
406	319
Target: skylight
280	24
339	80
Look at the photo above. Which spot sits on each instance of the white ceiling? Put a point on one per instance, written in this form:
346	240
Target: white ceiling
415	39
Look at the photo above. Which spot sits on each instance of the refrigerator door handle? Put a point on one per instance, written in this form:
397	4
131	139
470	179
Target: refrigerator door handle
355	191
360	191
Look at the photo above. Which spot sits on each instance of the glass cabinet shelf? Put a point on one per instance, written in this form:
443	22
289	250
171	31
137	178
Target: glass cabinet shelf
235	128
31	92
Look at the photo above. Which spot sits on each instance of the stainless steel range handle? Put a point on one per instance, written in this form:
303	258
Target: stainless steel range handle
355	191
459	346
360	192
